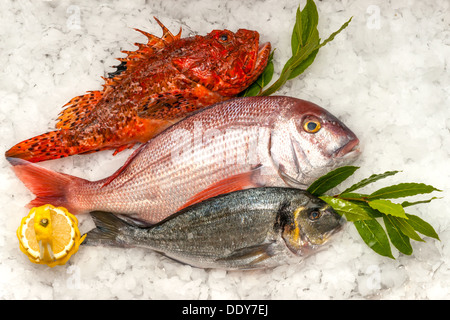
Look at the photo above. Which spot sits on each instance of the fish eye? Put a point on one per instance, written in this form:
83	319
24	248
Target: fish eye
314	215
223	37
311	126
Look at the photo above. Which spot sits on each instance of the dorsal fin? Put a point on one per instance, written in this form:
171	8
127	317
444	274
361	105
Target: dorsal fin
77	109
144	51
167	35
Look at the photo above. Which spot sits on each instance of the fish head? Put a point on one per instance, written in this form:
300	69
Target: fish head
225	62
308	142
311	224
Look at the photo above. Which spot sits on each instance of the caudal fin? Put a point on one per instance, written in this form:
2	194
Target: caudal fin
108	229
46	146
62	142
50	187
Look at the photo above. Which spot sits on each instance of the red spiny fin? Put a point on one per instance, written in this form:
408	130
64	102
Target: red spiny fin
171	105
119	69
122	168
152	39
145	50
43	147
50	187
167	35
50	145
234	183
78	109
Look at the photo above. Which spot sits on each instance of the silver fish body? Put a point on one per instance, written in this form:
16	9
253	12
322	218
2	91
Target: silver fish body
238	144
247	229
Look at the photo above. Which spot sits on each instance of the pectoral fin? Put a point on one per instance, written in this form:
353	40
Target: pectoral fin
255	254
234	183
169	105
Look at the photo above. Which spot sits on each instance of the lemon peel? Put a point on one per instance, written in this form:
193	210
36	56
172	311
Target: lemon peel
49	235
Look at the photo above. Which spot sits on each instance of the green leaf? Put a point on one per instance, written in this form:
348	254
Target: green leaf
408	204
267	75
364	210
371	179
303	53
252	91
290	66
331	180
302	66
374	236
398	239
334	34
351	211
297	33
406	228
402	190
373	213
309	20
305	44
388	207
306	22
421	226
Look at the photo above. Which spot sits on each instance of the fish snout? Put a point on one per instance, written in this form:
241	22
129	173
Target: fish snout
247	34
341	223
351	148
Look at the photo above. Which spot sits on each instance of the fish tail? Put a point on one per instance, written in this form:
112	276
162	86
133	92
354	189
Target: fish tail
65	141
50	187
108	228
48	146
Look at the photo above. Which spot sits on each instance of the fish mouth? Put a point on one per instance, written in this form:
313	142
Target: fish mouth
264	46
263	54
252	70
348	150
339	227
308	247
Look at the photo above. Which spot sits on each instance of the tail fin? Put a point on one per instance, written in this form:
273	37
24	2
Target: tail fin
47	146
55	144
107	231
50	187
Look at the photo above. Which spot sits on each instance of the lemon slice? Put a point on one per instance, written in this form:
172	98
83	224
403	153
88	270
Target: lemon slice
49	235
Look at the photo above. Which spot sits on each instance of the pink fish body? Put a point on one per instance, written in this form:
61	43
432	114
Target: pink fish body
237	144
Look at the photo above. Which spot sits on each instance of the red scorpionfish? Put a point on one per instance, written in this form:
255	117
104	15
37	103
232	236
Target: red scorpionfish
155	86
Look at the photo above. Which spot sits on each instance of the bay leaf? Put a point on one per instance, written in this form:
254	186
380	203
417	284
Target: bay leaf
402	190
388	207
371	179
331	180
374	236
397	237
351	211
422	226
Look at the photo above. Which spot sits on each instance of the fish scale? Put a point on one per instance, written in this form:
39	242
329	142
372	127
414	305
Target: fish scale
184	165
